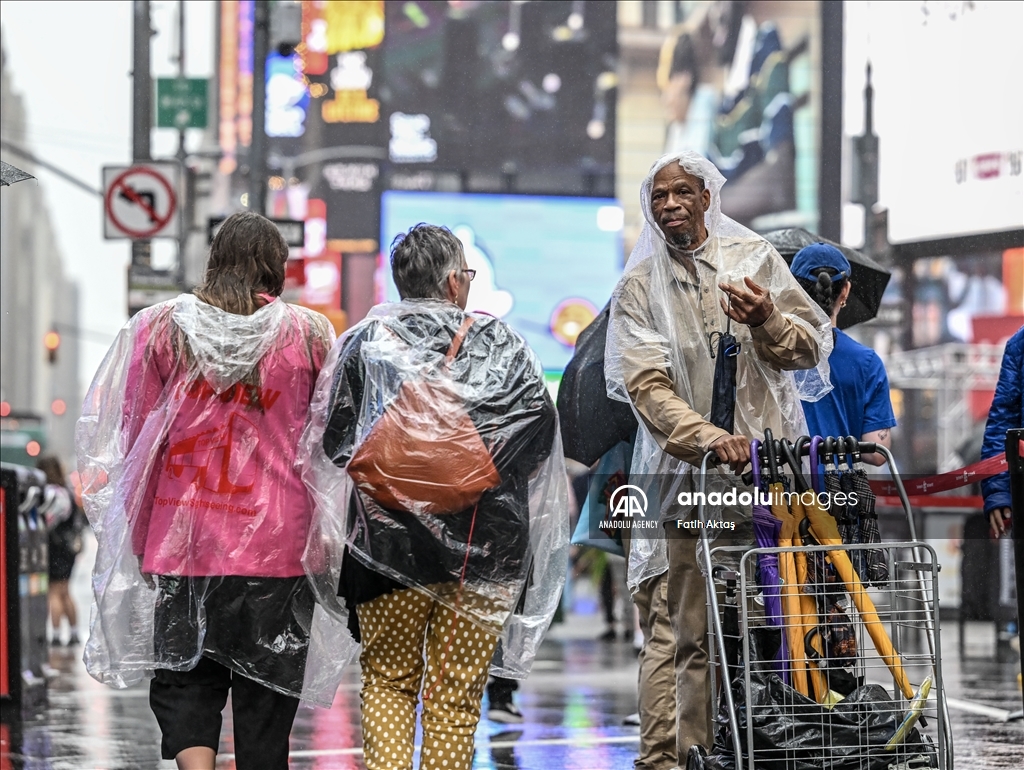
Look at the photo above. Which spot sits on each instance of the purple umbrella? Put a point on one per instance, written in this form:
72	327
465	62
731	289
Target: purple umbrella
766	532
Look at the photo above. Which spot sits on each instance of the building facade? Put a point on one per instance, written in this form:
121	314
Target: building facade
36	297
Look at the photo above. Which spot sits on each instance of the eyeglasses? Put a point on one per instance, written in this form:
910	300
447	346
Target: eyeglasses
470	272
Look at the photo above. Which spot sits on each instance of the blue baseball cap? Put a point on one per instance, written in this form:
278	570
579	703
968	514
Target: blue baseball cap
810	258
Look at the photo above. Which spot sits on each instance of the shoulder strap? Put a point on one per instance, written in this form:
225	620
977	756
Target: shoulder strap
460	335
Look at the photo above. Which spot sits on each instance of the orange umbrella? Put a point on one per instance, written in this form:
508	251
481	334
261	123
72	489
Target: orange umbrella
826	532
799	607
787	569
791	610
808	610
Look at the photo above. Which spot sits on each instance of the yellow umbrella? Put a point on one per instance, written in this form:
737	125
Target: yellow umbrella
807	607
826	532
791	608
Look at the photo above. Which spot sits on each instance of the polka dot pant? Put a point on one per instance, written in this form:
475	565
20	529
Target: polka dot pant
399	630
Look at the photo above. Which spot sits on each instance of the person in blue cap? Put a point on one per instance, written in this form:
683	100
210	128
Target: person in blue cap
859	403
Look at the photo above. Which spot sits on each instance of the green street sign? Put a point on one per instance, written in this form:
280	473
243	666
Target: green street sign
181	102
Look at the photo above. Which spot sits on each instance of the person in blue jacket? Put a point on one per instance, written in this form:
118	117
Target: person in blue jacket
1006	412
858	404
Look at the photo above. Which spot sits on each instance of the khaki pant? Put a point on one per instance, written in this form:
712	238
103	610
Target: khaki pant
687	611
657	685
399	630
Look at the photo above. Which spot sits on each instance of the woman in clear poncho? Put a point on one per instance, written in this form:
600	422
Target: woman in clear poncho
186	450
455	546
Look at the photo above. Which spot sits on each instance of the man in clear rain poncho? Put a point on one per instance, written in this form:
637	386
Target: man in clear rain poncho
440	531
691	271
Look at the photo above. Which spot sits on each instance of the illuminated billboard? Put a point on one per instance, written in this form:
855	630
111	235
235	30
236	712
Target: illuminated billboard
948	81
235	80
741	85
507	96
546	265
341	61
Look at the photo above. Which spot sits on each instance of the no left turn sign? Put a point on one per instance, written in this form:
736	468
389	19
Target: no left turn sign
141	201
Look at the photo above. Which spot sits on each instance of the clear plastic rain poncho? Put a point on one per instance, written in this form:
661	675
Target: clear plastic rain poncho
665	320
500	560
186	450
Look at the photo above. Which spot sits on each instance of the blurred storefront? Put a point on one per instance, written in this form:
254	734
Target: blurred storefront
478	113
742	83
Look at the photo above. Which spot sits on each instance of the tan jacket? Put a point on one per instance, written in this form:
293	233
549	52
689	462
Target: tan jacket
668	316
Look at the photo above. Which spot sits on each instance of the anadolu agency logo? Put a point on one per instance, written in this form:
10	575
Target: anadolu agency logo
627	502
627	509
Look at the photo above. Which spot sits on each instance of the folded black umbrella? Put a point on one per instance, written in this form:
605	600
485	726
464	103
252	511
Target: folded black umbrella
723	397
591	422
868	278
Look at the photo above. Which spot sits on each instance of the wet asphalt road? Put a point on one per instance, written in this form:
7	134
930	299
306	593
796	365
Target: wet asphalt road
574	703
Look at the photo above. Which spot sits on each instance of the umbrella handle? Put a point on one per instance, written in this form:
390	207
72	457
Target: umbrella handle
773	463
852	452
815	463
809	650
805	532
755	462
830	449
793	461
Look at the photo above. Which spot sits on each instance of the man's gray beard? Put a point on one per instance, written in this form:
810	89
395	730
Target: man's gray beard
681	240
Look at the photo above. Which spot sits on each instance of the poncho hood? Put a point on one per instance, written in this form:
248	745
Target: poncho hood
227	346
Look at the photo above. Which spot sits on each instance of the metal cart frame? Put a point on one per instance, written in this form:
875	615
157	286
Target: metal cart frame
911	611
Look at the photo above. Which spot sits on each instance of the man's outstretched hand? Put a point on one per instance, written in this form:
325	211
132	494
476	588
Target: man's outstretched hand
732	450
747	307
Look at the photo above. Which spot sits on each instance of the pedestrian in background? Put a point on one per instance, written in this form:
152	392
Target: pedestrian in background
858	404
64	525
1006	412
451	509
187	449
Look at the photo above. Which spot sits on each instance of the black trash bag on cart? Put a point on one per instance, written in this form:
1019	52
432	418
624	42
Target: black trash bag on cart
793	732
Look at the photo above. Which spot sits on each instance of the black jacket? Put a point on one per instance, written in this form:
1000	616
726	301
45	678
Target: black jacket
513	413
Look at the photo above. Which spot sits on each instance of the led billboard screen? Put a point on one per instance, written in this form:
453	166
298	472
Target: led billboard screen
512	96
741	85
546	265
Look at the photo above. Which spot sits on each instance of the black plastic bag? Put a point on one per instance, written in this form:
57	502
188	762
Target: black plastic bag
793	732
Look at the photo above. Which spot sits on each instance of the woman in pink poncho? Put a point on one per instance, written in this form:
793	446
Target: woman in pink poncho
187	444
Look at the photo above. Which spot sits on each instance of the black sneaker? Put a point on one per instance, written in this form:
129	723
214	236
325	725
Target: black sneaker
73	640
608	636
505	713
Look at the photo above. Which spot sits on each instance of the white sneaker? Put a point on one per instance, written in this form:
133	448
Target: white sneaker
633	720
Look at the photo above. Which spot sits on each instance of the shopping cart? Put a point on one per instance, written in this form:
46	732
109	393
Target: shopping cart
820	667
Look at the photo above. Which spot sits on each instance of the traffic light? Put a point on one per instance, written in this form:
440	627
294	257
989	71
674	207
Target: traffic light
52	343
